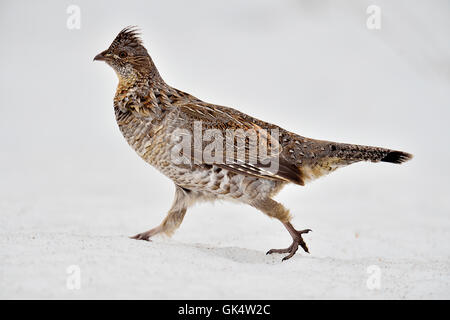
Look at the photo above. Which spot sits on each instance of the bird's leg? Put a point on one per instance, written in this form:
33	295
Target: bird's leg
278	211
173	218
296	241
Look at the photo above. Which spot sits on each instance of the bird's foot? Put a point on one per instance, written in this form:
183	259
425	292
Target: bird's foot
147	234
296	241
143	236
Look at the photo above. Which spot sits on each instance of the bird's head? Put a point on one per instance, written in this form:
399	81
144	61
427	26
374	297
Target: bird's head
127	56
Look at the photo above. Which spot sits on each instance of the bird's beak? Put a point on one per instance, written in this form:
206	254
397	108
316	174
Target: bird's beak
100	57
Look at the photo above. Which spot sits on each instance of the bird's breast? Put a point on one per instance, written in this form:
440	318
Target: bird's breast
140	132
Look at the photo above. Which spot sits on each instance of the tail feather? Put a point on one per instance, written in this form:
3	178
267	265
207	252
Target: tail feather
373	154
397	157
316	158
357	153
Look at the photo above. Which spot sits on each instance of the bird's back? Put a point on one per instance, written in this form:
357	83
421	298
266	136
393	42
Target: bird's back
149	115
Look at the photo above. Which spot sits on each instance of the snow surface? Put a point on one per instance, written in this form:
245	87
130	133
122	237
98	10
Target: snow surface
72	191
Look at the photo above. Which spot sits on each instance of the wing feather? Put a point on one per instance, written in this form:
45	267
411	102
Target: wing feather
266	161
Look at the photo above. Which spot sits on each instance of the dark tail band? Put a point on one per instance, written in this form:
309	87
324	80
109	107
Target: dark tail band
397	157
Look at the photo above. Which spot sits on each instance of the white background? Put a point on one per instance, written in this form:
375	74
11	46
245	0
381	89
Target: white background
71	189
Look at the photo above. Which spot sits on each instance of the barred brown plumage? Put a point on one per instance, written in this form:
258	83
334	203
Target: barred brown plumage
151	114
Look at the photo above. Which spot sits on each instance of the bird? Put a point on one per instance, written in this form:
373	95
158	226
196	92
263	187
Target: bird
160	122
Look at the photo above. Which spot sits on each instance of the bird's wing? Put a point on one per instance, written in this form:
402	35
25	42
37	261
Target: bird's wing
248	146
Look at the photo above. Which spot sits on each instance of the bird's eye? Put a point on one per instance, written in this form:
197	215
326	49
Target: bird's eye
123	54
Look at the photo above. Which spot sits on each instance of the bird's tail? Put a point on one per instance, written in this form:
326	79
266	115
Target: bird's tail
329	156
352	153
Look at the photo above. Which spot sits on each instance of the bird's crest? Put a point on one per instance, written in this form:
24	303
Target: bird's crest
129	36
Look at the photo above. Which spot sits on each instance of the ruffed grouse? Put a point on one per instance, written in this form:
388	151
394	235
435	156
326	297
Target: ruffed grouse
159	121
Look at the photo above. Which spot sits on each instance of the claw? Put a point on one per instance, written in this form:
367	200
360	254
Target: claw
141	236
147	234
296	241
286	250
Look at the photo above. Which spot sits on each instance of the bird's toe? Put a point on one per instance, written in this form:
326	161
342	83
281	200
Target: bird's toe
141	236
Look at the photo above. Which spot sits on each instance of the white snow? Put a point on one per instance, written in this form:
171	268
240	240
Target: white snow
72	191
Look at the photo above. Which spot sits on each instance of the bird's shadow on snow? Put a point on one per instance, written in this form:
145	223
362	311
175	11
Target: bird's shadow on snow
235	254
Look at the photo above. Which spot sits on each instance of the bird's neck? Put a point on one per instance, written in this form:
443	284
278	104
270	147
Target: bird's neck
140	96
138	75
